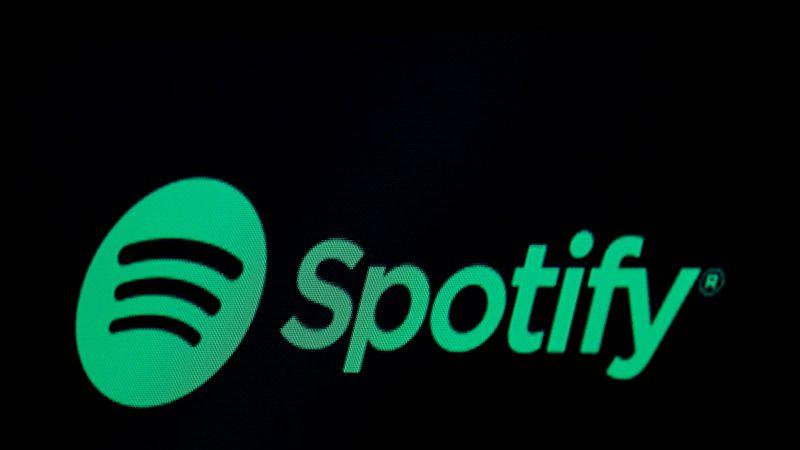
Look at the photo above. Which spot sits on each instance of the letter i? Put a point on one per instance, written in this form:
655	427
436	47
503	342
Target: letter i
580	246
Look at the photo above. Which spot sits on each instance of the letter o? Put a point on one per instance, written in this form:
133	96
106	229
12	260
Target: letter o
492	284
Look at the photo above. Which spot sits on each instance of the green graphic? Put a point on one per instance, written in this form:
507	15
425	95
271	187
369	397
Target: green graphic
176	283
171	292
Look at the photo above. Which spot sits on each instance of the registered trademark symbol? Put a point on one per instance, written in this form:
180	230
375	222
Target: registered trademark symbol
711	282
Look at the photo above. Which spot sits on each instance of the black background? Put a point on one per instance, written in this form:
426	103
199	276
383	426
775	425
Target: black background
441	150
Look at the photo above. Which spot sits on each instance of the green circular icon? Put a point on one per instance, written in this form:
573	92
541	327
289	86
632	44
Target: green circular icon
171	292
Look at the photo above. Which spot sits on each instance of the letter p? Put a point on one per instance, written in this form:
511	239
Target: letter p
366	330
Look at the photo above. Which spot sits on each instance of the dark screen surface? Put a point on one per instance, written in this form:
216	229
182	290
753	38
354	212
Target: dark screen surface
439	150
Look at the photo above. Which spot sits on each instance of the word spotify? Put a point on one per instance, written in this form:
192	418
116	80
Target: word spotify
648	329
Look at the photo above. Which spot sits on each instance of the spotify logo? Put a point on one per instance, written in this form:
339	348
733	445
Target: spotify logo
171	292
175	284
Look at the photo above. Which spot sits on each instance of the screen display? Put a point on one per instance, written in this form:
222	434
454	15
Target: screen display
356	241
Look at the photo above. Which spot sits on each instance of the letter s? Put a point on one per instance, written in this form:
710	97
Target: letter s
323	293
